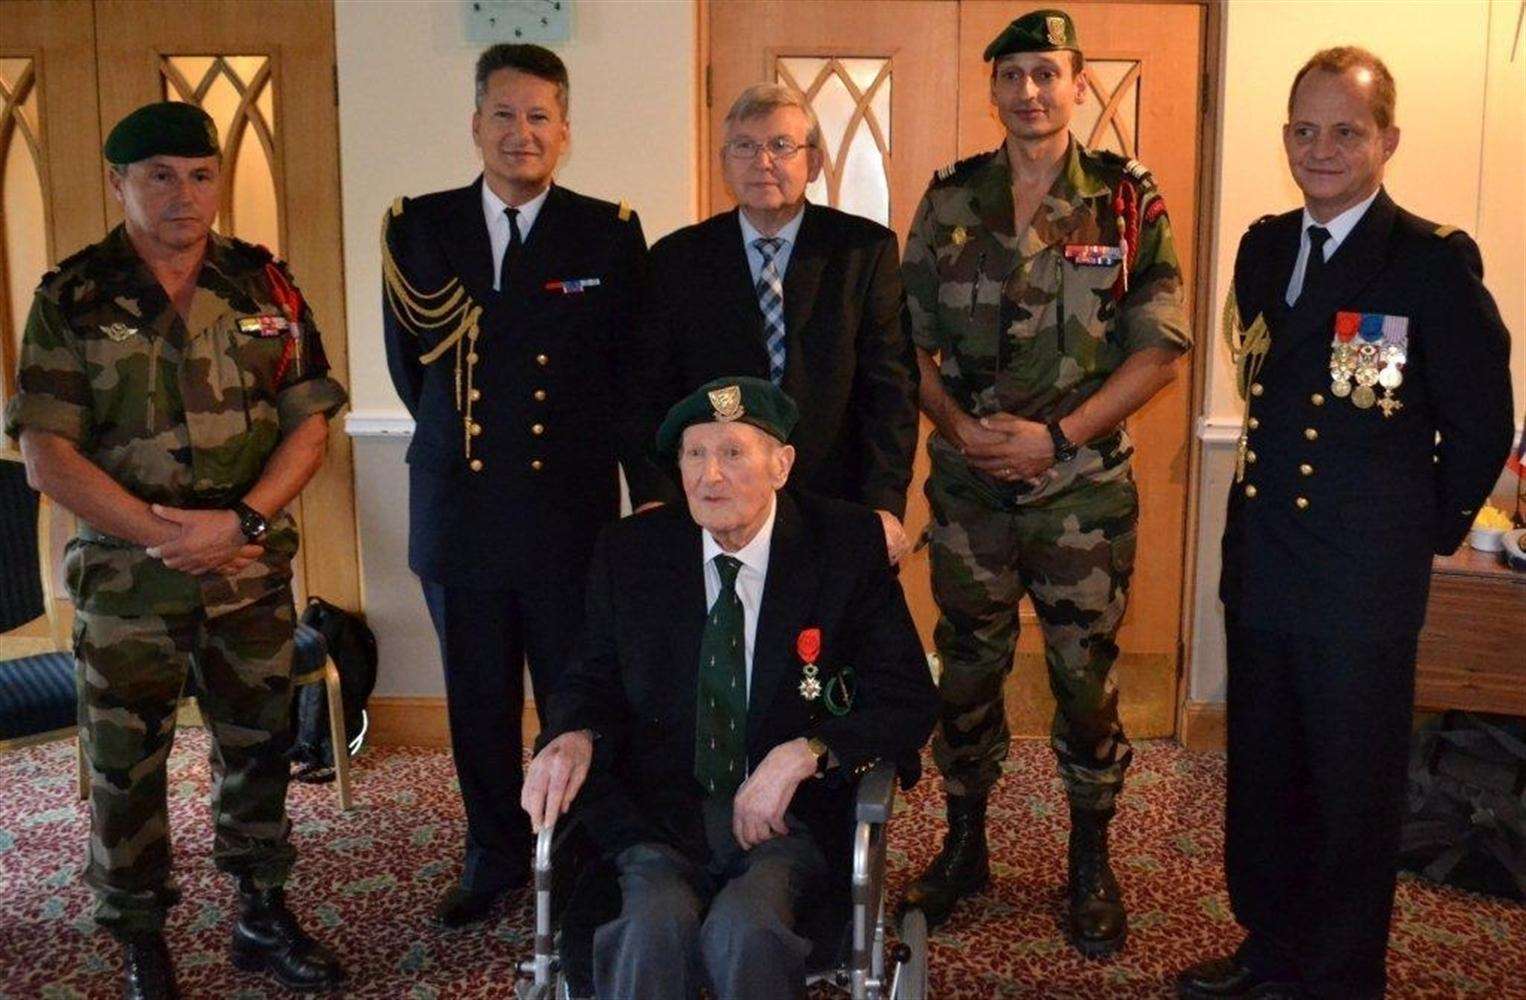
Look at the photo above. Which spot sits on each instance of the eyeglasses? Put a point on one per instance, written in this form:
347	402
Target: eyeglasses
780	147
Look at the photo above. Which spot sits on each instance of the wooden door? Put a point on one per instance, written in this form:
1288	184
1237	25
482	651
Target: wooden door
266	74
1145	64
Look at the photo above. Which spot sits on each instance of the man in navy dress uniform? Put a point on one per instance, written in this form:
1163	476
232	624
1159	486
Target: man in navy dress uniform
1375	371
509	305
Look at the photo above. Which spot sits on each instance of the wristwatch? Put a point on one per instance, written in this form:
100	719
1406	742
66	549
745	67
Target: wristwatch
251	522
1064	448
823	754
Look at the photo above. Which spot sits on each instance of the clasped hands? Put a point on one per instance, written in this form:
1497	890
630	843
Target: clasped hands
1004	446
558	771
202	541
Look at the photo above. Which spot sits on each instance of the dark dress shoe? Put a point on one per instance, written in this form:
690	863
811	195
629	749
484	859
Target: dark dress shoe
462	907
148	972
1225	977
961	869
268	939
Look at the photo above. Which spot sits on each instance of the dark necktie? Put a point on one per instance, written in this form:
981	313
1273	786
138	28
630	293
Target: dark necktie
1314	267
720	711
511	254
770	289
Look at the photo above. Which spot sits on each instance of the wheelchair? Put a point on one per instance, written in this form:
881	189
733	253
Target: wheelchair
855	958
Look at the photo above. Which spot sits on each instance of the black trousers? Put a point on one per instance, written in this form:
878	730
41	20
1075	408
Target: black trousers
486	637
1318	735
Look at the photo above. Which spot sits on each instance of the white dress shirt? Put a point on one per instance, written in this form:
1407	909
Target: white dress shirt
498	224
749	585
787	233
1340	227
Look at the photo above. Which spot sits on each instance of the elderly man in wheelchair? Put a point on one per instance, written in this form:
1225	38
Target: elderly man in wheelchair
744	666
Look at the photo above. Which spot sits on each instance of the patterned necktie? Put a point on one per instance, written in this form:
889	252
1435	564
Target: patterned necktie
770	291
720	729
1314	267
511	254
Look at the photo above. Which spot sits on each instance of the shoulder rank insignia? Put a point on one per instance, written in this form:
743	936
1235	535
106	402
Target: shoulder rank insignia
1442	232
119	331
945	172
624	211
727	402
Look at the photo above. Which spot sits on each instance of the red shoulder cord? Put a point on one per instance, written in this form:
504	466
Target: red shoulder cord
1126	205
290	301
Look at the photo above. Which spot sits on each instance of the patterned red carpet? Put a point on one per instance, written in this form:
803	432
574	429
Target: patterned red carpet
366	880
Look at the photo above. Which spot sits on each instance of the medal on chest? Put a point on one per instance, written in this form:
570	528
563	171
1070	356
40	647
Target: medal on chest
1368	352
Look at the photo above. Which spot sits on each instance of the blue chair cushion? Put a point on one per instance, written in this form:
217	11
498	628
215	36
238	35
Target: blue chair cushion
312	650
36	695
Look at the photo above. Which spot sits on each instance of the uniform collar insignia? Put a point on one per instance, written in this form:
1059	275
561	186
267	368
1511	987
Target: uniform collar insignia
119	331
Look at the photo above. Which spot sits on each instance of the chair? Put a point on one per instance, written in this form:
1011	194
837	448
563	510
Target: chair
37	694
38	701
546	975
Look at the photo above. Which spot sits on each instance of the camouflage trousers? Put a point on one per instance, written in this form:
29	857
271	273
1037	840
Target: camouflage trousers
1073	553
131	671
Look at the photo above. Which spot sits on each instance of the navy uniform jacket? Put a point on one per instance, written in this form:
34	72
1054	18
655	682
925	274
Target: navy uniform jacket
634	678
848	361
1334	528
552	383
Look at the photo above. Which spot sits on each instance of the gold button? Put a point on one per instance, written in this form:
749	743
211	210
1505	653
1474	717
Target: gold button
1311	434
1306	469
1302	503
1250	489
540	395
1253	423
476	465
1250	456
542	360
1256	389
471	358
1317	399
476	429
476	394
537	429
536	464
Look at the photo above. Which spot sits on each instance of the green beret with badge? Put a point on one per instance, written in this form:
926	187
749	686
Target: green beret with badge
166	128
739	399
1037	31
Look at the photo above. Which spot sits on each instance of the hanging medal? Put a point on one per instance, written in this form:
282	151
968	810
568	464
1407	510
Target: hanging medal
808	648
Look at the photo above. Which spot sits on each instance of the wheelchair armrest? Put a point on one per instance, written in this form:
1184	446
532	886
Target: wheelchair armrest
876	793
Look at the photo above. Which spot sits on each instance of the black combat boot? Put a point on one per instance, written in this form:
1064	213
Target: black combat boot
1097	923
267	939
961	869
148	972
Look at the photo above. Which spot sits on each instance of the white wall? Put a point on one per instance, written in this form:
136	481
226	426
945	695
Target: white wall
405	103
1461	111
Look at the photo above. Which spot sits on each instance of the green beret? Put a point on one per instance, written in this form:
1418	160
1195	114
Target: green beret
739	398
1037	31
168	128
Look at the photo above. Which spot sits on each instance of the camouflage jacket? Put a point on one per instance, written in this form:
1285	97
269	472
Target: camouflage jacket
1034	323
184	413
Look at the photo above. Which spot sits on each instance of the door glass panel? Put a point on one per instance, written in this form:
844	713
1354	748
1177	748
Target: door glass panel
24	251
851	98
238	92
1110	117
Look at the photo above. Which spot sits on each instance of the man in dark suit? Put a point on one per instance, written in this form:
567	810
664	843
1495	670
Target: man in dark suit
509	305
806	296
1375	369
719	745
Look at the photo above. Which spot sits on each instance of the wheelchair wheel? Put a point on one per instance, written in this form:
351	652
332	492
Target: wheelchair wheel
910	979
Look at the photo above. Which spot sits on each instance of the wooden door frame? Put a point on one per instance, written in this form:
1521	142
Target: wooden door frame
1204	259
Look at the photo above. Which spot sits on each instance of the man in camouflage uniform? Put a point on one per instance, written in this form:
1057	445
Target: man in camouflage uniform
174	395
1043	276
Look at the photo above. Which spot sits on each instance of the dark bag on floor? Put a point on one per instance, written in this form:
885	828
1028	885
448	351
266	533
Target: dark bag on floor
352	646
1465	824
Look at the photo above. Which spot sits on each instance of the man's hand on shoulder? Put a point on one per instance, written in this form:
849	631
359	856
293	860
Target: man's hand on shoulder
759	807
555	776
896	544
